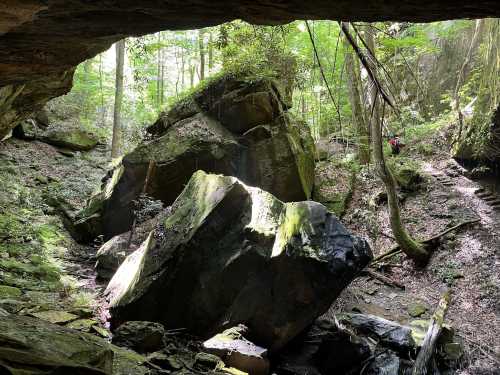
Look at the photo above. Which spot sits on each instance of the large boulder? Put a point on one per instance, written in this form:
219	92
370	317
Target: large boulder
227	253
230	127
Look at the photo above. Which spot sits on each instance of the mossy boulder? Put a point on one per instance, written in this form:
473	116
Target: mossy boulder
227	253
232	127
73	139
33	346
407	173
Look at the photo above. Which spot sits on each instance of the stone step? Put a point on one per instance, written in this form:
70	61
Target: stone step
495	203
479	190
448	183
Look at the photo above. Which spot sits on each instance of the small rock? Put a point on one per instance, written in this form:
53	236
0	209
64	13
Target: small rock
101	331
82	324
417	309
41	179
209	361
143	337
55	317
238	352
82	312
453	351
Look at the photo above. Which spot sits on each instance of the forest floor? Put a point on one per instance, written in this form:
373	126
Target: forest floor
467	260
43	271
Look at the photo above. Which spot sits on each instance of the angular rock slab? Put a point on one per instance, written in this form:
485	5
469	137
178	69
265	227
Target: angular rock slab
238	352
33	346
228	254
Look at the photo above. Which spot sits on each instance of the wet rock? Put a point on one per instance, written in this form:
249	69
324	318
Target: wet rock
236	351
42	347
228	254
232	127
143	337
390	333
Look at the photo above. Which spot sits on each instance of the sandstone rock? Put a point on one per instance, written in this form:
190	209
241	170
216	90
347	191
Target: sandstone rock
29	345
143	337
231	127
55	316
236	351
72	139
228	254
7	292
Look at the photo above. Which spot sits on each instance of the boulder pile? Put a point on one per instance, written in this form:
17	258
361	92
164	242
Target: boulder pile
232	127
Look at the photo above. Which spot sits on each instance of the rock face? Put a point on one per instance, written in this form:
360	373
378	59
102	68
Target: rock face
41	42
230	254
32	346
231	127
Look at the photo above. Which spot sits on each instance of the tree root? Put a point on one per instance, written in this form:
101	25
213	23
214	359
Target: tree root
429	242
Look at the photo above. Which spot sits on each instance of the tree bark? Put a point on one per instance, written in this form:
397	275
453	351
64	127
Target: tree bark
120	57
201	46
353	85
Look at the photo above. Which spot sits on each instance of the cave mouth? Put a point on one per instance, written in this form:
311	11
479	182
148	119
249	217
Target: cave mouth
42	42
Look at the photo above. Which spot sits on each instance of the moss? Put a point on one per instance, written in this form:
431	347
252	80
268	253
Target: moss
7	292
407	173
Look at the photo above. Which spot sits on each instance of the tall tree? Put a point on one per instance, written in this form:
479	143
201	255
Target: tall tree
117	126
409	246
201	47
354	85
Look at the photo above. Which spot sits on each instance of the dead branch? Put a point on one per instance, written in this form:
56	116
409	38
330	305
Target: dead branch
396	249
384	279
429	344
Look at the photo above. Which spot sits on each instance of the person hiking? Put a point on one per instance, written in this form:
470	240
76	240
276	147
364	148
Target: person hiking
396	144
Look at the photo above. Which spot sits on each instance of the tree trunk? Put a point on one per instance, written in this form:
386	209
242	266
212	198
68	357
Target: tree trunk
201	45
210	52
461	76
353	85
120	57
409	246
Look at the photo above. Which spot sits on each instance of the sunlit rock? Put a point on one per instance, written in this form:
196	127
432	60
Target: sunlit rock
230	254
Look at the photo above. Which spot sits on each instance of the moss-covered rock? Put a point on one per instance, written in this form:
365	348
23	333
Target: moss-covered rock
227	253
407	173
232	127
334	185
33	346
73	139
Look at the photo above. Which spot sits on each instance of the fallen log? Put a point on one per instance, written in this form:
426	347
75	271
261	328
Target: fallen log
428	346
396	249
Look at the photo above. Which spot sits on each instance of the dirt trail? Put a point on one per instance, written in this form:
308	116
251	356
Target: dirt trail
467	260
